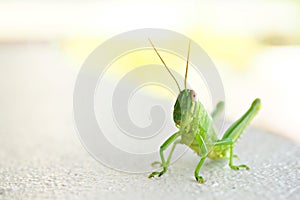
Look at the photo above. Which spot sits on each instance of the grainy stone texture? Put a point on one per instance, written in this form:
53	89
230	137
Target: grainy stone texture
42	158
49	169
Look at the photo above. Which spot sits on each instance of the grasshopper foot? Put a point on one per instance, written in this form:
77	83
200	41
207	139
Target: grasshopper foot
199	179
159	174
239	167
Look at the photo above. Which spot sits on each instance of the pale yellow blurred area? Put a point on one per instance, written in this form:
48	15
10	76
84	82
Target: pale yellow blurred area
254	44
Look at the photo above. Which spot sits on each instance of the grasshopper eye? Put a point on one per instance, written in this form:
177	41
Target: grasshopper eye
193	95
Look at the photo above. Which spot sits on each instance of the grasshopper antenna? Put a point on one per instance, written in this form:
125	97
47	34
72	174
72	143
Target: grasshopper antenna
164	64
187	64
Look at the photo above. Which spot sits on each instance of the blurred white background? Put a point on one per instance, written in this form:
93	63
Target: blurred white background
254	44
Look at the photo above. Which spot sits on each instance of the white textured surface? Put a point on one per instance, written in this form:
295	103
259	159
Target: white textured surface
42	158
51	169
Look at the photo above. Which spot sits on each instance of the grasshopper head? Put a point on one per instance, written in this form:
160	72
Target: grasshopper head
186	97
183	105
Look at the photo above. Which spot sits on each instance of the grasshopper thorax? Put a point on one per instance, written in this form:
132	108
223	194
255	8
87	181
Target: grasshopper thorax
183	105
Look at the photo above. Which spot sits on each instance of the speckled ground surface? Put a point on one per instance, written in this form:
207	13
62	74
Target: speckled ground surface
51	169
41	156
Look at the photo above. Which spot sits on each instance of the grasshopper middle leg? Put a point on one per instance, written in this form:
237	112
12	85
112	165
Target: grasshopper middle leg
204	152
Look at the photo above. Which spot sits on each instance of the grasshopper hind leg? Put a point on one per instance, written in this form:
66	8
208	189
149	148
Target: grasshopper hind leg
234	132
225	146
235	167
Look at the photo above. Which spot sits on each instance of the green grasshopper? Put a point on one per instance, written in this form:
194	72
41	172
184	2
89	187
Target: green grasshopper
196	128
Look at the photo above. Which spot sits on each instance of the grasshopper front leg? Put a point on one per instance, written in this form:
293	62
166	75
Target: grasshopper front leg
163	147
169	156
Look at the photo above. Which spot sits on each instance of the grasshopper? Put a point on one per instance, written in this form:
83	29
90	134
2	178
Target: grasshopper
196	128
